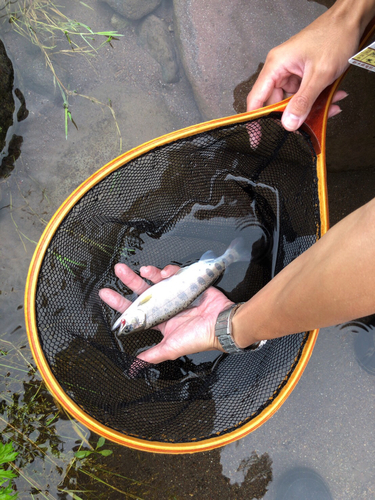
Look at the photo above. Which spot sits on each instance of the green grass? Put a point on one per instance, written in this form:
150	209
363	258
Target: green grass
45	25
7	455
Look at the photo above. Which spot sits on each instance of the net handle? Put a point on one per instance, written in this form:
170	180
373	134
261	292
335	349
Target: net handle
316	122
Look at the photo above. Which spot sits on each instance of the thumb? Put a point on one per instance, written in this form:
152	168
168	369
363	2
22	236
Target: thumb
157	354
300	105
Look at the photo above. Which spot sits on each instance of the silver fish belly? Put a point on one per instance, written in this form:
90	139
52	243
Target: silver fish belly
172	295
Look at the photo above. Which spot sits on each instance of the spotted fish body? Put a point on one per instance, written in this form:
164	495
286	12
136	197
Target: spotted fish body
172	295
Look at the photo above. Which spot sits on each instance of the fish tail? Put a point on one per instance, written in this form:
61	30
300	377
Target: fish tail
237	252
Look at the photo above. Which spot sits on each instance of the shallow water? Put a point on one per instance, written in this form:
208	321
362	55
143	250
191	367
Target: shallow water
327	422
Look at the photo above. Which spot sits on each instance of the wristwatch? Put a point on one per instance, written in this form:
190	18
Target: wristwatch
223	331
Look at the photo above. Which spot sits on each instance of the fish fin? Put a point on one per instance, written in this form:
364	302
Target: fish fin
209	255
180	271
197	302
237	247
145	299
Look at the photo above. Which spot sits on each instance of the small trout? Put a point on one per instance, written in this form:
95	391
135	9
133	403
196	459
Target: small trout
167	298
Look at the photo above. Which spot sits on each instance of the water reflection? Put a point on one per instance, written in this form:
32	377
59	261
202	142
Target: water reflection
11	111
302	483
364	342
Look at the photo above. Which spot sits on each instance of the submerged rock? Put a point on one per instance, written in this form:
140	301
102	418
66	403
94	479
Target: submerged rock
10	112
38	77
120	23
133	9
6	95
222	44
155	37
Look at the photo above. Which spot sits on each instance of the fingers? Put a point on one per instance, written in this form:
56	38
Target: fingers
300	106
130	279
134	282
254	130
339	95
277	95
157	354
301	103
261	92
333	110
114	299
273	81
155	275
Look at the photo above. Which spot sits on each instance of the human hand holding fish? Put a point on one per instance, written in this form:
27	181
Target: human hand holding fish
190	331
182	304
310	292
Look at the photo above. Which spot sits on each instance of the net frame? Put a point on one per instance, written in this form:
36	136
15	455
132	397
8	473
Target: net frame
31	286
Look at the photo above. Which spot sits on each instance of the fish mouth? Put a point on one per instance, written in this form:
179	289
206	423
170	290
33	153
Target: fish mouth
119	323
126	329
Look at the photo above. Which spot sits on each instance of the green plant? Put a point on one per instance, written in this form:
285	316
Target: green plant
7	455
45	25
86	453
29	420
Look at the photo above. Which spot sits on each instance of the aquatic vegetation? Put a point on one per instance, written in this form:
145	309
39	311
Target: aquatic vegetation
42	445
46	26
86	453
7	455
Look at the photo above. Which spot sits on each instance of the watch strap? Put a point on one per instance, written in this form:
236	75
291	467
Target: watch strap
223	332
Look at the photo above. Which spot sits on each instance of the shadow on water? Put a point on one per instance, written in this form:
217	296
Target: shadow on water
12	110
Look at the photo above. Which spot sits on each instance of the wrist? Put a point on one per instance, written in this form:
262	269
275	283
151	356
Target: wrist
241	328
224	333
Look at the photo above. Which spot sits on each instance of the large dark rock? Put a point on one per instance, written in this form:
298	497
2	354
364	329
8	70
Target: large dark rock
133	9
10	111
7	105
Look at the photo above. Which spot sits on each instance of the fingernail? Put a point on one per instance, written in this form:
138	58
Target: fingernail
335	112
291	122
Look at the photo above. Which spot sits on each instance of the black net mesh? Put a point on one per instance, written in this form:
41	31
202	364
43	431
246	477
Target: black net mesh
171	205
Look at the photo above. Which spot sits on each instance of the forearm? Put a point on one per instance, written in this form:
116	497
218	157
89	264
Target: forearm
332	282
358	12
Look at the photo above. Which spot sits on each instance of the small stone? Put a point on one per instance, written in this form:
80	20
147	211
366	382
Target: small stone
120	23
133	9
156	39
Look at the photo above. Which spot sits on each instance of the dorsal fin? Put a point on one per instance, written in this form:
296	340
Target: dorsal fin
209	255
180	271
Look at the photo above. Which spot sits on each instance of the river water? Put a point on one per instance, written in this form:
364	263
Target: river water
325	425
